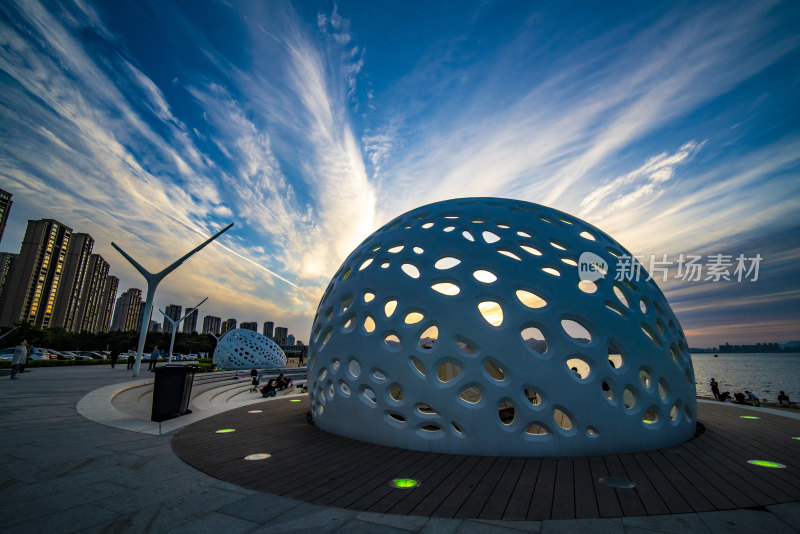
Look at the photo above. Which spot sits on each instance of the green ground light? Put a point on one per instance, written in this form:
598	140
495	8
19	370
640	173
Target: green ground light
405	483
225	430
797	438
294	400
766	463
749	417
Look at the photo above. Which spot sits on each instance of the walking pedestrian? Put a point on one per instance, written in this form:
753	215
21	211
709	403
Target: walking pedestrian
20	352
715	388
131	358
114	356
154	357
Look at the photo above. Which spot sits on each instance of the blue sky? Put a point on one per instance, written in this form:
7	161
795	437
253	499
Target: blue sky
672	127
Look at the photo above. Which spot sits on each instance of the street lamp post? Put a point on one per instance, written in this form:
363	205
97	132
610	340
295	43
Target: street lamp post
153	280
175	325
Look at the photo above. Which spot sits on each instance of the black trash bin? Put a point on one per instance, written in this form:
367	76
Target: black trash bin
171	391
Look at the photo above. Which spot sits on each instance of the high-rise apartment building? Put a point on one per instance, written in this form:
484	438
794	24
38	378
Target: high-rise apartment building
230	324
269	326
90	306
36	277
173	311
190	323
281	334
211	325
155	326
290	339
128	311
5	208
73	289
7	261
250	326
107	303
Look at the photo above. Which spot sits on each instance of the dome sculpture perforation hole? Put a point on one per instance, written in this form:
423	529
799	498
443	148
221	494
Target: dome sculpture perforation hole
579	368
506	412
490	237
646	378
418	366
447	262
448	371
369	324
491	312
650	416
530	250
537	429
629	398
587	286
410	270
576	331
534	339
413	318
478	273
530	299
533	396
425	409
508	253
493	370
621	295
396	393
446	288
562	419
471	395
429	337
354	368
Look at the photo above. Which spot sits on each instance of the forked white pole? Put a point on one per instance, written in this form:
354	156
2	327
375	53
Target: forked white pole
175	325
153	280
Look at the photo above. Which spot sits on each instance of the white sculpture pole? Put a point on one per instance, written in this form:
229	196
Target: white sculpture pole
4	335
175	326
153	280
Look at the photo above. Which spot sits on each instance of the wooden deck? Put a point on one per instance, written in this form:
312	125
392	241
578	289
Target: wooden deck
705	474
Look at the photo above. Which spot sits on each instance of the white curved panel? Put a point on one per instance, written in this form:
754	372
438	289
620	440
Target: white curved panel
244	349
464	327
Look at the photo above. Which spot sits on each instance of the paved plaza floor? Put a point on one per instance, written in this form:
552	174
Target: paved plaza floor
63	473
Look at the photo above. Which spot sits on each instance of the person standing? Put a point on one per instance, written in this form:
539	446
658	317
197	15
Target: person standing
300	361
715	388
114	356
20	352
131	358
154	357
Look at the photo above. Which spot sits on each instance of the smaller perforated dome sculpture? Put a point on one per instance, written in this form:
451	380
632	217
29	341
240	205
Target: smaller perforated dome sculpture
245	349
498	327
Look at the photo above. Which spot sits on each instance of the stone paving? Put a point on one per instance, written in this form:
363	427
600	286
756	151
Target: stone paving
62	473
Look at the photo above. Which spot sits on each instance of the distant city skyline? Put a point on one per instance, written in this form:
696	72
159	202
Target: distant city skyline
672	127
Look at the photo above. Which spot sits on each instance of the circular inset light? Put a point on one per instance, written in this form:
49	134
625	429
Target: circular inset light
257	456
748	417
621	483
404	483
294	400
766	463
254	411
797	438
225	430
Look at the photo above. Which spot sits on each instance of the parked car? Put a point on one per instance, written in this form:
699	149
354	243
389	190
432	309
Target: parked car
7	354
62	355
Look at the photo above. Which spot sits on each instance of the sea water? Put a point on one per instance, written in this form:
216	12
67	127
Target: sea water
765	374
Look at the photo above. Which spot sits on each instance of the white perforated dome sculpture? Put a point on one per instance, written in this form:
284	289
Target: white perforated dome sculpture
464	327
245	349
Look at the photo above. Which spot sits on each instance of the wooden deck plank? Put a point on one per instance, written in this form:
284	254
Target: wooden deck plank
495	507
453	503
585	499
647	480
436	498
542	500
520	499
628	498
564	491
679	493
480	494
